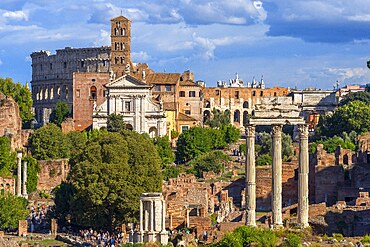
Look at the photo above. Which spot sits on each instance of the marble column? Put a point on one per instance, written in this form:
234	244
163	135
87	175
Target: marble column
19	173
24	187
163	215
303	176
141	230
151	216
250	172
277	218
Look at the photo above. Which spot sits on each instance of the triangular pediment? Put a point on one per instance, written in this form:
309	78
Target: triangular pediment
127	81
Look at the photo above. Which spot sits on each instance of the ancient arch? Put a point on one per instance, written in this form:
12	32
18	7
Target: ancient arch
206	115
93	93
129	127
245	104
236	116
153	132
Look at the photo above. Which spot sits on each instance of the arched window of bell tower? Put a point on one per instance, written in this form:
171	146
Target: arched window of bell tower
123	31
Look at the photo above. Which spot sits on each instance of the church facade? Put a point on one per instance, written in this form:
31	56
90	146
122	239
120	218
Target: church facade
131	98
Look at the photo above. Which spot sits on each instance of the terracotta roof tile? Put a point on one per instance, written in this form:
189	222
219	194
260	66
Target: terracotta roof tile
184	117
188	83
162	78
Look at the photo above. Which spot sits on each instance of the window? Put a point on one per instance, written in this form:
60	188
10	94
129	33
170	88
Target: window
182	93
168	88
66	92
261	93
191	93
51	66
157	88
82	64
184	128
236	94
187	112
41	67
78	94
217	92
93	93
254	93
275	94
128	106
65	65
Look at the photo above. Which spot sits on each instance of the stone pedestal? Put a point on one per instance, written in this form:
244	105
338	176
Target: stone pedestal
277	218
22	227
54	227
250	172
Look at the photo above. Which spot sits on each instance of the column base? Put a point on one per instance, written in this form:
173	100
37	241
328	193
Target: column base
164	237
150	237
140	237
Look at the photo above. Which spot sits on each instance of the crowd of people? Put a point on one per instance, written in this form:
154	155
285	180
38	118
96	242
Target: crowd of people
102	238
38	220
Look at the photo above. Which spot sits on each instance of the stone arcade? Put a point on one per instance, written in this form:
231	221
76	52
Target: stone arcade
277	111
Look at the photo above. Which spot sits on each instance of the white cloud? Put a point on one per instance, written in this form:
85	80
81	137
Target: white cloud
141	57
18	15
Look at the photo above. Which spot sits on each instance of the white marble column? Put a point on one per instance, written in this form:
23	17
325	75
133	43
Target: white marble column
250	172
303	176
24	191
163	215
151	216
276	176
141	216
19	173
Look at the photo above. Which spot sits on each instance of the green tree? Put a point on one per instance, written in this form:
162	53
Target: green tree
21	95
170	172
49	142
211	161
231	133
192	143
12	209
264	146
115	123
163	146
354	116
7	157
33	169
218	118
60	113
368	64
264	160
105	184
360	96
77	141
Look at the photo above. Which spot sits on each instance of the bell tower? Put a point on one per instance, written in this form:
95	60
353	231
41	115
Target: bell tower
120	45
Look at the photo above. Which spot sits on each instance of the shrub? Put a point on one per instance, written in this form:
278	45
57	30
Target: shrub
366	240
292	240
338	236
263	160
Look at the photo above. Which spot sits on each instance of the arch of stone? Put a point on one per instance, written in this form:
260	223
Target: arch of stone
277	112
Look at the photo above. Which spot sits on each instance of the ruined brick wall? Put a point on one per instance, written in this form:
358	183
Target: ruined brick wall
7	184
84	85
264	185
10	121
67	126
53	173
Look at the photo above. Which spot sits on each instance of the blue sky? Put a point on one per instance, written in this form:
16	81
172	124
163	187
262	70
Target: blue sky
292	43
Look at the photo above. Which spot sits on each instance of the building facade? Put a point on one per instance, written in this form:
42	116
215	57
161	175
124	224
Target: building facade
237	98
132	99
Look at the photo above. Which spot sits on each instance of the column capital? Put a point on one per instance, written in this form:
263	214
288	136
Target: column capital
277	129
250	130
303	130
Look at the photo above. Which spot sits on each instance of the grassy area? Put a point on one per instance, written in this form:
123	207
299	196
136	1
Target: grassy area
45	242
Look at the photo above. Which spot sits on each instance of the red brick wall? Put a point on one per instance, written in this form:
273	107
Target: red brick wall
82	102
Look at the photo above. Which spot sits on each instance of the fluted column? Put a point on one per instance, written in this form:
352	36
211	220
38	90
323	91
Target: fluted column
24	187
303	176
151	216
141	216
250	172
19	173
163	216
276	176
